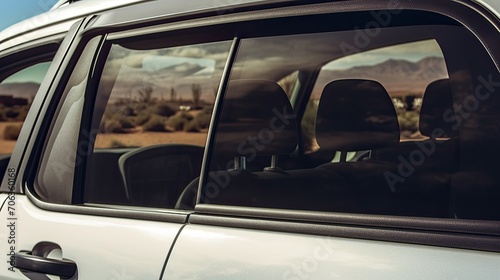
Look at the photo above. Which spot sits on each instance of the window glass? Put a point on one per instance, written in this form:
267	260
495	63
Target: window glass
389	125
16	94
150	122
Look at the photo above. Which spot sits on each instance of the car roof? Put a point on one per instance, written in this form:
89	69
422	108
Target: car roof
56	22
158	9
492	5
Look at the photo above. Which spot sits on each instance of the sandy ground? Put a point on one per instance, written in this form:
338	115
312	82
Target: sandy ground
149	138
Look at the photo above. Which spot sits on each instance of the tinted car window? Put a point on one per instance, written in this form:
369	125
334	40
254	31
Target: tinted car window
389	127
150	119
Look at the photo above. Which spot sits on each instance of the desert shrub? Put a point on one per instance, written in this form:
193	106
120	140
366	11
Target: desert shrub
164	110
202	120
112	115
408	121
142	118
138	107
191	126
126	123
185	115
11	113
128	111
117	144
111	126
155	123
2	114
11	132
23	112
179	121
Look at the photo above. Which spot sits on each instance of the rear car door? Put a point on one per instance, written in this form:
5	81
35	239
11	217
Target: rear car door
359	142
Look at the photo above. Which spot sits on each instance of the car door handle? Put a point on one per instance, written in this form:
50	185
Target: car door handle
37	261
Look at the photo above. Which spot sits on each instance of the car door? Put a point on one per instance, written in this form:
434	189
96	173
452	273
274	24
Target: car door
117	132
47	234
85	194
421	205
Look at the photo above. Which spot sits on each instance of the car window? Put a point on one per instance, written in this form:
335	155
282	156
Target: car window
390	125
148	118
150	122
16	95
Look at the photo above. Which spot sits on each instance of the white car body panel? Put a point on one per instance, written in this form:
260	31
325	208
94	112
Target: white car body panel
492	5
55	22
209	252
102	247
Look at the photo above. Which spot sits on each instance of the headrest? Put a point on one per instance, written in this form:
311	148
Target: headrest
257	118
355	115
437	100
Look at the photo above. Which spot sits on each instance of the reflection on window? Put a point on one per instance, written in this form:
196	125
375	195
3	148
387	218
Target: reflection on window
160	96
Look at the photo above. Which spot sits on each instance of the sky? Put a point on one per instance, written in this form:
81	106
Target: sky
12	11
33	74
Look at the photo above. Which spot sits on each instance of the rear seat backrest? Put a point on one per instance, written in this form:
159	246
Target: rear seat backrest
257	121
339	117
356	115
437	106
434	176
427	191
257	116
436	102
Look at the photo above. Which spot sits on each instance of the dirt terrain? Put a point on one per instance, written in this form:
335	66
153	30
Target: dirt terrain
137	139
6	146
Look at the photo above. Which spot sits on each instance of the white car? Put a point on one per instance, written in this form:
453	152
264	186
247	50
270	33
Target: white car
324	140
